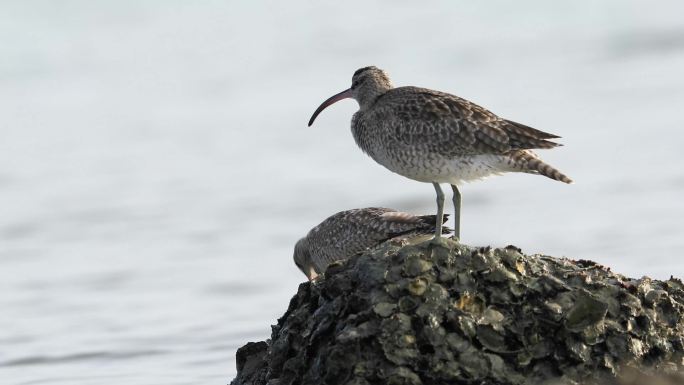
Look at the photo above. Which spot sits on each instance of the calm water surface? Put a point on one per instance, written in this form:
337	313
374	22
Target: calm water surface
156	168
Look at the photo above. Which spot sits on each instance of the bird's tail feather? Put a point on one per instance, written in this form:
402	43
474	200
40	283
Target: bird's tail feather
432	219
431	222
529	162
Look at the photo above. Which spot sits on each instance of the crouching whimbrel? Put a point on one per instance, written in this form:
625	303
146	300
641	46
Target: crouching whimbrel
435	137
349	232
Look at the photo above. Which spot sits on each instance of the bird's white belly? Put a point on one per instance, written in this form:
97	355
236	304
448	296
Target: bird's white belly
439	169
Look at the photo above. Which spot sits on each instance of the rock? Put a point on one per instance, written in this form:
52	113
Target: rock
440	312
251	363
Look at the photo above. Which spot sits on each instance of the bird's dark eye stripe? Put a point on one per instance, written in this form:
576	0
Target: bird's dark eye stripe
355	84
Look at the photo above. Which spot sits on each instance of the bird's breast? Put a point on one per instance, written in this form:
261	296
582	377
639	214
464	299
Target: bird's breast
365	136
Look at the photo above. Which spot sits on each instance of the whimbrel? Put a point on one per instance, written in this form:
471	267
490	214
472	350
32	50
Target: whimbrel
435	137
348	232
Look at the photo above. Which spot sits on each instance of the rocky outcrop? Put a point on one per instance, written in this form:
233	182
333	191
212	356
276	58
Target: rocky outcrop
444	313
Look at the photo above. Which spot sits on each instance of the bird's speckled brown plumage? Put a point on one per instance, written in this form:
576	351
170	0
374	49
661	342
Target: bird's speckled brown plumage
407	129
349	232
432	136
411	115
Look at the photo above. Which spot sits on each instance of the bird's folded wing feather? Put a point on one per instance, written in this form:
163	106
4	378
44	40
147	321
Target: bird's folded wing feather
450	125
346	232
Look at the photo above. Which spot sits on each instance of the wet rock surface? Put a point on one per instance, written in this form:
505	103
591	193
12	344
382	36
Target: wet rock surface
444	313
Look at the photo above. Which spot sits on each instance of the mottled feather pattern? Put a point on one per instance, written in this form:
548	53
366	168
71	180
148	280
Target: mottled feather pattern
432	136
449	125
349	232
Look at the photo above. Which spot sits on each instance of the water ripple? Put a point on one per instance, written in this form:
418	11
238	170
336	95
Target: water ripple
78	357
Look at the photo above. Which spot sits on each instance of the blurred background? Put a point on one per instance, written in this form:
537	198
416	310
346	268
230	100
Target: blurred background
156	168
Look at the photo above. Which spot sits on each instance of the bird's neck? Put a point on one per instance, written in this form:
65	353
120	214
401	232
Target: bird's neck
370	95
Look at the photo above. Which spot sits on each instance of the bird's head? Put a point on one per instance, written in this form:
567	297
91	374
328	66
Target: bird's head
367	84
302	258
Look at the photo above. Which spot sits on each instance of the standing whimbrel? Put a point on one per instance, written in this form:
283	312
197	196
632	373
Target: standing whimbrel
348	232
435	137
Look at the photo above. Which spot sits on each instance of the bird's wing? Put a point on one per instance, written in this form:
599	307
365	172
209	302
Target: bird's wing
399	223
381	224
453	125
345	234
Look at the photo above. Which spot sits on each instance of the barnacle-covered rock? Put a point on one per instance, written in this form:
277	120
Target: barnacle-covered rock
440	312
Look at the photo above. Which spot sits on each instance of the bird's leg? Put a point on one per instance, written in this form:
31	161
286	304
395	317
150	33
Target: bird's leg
457	212
440	210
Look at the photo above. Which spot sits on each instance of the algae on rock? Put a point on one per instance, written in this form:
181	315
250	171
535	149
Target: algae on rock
444	313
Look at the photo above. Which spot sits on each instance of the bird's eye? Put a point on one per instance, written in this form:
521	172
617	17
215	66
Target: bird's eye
355	84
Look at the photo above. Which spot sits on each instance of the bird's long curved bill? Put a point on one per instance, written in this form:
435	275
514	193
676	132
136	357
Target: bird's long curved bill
335	98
